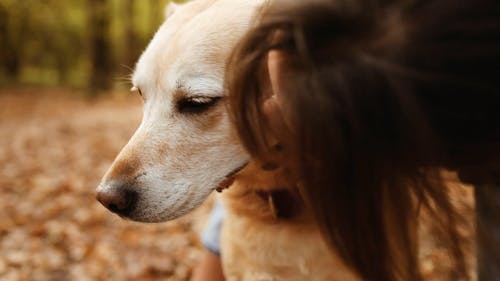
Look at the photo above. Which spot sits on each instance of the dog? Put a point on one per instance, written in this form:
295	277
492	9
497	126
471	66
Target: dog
185	148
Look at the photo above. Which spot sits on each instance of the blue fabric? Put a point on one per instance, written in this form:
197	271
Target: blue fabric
210	238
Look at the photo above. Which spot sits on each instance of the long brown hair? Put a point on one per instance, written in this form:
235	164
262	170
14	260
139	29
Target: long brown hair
373	90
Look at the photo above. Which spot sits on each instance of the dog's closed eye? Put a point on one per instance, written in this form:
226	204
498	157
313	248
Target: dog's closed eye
196	104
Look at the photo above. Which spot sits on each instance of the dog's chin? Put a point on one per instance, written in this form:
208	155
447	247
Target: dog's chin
160	217
156	219
230	178
154	214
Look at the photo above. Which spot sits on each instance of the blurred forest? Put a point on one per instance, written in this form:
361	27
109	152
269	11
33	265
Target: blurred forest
83	44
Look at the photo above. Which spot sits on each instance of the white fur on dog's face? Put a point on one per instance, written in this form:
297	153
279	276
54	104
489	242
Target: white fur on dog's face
181	152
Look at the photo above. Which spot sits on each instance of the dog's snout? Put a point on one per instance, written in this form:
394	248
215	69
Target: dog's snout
119	201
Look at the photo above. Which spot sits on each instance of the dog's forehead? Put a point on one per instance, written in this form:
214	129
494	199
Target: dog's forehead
191	47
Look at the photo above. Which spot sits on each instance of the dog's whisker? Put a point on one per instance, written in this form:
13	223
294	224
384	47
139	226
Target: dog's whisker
127	67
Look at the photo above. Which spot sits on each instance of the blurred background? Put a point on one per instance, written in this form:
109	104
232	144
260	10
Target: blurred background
65	112
84	44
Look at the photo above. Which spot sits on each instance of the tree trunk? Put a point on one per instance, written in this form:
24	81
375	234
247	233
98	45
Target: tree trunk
10	57
101	62
131	49
3	38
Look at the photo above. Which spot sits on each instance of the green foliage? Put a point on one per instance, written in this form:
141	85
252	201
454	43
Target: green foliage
48	42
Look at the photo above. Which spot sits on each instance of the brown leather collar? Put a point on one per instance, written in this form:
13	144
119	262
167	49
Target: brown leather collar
283	203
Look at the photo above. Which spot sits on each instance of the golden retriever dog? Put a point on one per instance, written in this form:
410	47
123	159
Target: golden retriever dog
185	148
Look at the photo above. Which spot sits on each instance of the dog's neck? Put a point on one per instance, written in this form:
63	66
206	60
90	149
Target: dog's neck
278	204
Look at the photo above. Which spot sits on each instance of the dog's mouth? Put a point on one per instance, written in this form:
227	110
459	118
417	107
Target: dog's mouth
229	178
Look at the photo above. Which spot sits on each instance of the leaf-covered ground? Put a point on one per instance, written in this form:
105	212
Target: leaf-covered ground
53	151
54	147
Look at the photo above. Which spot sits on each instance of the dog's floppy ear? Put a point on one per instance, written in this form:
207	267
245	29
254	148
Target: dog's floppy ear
171	8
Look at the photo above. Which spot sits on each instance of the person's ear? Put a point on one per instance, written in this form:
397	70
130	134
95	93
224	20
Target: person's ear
273	115
274	106
278	128
274	68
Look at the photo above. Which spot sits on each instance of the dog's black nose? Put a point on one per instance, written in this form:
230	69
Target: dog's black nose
118	200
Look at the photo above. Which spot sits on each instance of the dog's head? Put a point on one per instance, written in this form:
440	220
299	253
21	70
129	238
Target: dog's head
184	146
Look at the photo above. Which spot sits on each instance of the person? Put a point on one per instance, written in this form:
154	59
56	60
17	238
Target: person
365	102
